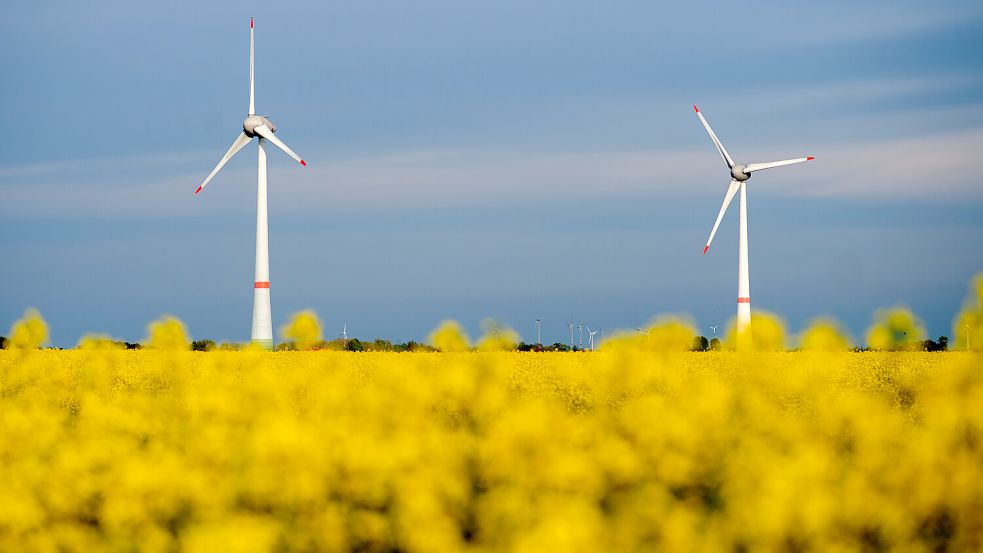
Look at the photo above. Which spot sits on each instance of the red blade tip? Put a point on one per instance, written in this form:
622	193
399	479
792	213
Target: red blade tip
810	158
199	190
250	22
696	109
304	163
705	248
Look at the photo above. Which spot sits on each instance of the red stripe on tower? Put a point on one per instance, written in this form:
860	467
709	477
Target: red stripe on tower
258	284
250	22
743	300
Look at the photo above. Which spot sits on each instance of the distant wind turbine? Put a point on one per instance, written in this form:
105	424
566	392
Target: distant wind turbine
591	333
570	325
739	175
714	328
257	126
581	328
539	337
344	332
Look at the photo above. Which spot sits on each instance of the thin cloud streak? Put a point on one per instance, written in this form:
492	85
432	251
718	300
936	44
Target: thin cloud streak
917	168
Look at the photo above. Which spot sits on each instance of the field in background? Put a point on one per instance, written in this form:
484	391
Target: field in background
621	450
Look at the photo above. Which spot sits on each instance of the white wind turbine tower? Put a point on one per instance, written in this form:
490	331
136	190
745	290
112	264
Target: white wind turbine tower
344	332
591	333
252	127
739	175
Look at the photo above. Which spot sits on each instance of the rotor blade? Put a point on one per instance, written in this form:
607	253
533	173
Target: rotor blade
266	133
252	94
716	141
752	167
241	141
734	185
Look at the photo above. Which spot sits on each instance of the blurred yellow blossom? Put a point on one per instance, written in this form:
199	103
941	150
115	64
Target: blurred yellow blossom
766	332
967	329
30	332
449	337
168	334
824	334
895	329
304	329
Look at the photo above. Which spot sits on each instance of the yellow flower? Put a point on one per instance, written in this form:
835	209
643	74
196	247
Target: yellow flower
449	337
824	334
168	334
304	329
895	329
30	332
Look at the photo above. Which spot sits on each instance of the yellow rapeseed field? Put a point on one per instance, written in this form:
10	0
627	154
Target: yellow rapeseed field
628	449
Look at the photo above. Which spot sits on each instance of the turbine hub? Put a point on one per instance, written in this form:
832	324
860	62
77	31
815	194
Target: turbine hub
253	121
738	174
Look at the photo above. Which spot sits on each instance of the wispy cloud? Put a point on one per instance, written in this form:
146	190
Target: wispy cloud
942	165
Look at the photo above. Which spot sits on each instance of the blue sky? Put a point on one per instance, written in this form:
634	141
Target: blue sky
510	160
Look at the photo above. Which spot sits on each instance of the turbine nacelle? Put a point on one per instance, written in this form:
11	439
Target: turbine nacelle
253	126
737	173
251	122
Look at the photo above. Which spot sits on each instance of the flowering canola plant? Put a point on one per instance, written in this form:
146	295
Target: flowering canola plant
626	449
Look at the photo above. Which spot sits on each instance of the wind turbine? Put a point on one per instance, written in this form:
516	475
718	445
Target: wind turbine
714	328
570	325
344	332
591	333
257	126
739	174
581	328
539	337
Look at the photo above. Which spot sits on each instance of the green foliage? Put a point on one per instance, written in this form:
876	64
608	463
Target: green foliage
203	345
942	344
700	343
354	344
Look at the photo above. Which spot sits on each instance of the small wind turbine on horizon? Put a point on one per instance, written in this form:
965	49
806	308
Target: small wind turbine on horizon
539	337
739	175
581	328
257	126
570	325
344	332
591	333
714	328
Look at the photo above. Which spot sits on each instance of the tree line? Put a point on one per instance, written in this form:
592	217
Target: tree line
700	343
